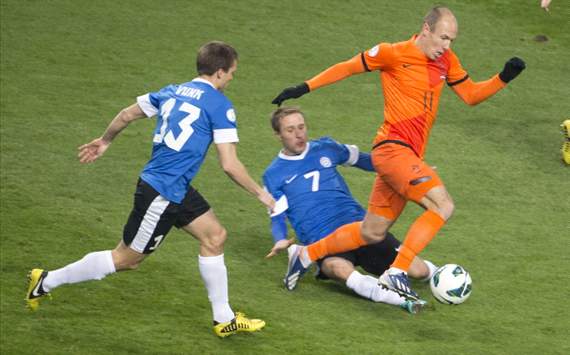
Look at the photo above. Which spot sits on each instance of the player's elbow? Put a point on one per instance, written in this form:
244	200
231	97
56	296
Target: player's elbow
228	167
126	116
470	100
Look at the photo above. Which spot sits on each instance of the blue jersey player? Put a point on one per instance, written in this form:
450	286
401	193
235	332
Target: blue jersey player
189	117
314	197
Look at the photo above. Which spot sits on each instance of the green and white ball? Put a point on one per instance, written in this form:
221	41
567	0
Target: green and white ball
451	284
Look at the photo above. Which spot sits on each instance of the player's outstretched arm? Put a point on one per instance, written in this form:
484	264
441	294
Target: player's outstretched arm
331	75
89	152
232	166
473	93
358	159
364	162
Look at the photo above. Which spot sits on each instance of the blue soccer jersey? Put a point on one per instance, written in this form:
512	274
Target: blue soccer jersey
310	191
189	117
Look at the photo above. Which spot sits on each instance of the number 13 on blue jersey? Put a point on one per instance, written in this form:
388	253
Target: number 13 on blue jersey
185	115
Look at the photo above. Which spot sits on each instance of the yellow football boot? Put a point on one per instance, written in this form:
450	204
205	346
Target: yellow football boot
239	324
35	291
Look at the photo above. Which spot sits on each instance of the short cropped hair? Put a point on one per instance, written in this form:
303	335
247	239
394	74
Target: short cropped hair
213	56
281	112
433	16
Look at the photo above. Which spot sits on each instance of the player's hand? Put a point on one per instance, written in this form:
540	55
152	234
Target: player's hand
278	247
544	4
513	67
89	152
292	92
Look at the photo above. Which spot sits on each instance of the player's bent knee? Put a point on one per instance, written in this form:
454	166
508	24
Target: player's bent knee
132	265
215	239
126	261
337	268
219	239
418	269
127	264
446	209
372	236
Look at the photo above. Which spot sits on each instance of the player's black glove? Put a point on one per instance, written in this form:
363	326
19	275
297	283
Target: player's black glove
513	67
291	93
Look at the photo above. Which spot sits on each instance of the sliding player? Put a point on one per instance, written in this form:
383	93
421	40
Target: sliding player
314	197
413	73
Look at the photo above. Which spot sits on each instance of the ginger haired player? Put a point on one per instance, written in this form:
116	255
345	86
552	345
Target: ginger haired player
412	73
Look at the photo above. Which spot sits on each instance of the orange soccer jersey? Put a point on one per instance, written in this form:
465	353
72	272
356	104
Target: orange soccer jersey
412	85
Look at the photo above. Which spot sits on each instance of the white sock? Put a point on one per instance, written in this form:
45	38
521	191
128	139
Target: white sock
304	257
367	287
93	266
432	268
215	275
394	270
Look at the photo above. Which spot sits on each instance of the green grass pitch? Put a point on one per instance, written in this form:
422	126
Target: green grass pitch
67	67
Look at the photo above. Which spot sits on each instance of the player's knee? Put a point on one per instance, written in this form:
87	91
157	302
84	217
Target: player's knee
446	209
372	235
336	268
418	269
216	239
327	267
129	264
124	261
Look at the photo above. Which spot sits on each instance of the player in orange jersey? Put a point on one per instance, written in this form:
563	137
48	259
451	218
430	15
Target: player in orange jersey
412	73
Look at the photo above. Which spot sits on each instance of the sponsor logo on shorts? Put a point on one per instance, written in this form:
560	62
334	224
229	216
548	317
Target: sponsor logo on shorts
420	180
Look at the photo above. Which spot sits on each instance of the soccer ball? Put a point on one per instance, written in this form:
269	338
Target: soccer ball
451	284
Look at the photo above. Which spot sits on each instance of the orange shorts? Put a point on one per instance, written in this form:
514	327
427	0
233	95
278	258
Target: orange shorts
400	176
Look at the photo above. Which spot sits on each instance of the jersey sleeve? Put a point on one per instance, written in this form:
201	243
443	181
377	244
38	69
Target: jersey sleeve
342	154
278	217
455	74
279	227
150	103
281	204
224	126
379	57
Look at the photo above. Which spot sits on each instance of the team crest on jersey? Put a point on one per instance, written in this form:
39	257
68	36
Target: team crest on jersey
325	162
231	115
373	51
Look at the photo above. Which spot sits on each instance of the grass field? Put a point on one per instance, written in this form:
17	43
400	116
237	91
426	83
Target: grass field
67	67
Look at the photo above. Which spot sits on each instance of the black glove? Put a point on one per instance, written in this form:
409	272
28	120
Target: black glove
513	67
291	93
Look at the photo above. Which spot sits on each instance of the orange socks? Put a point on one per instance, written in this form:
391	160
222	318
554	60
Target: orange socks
348	237
345	238
422	231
